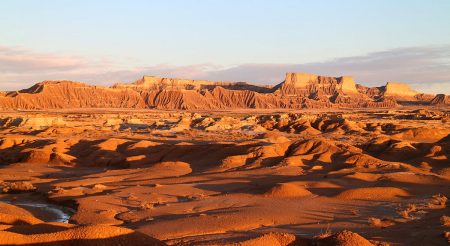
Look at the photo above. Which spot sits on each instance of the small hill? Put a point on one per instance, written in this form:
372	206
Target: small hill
287	190
440	99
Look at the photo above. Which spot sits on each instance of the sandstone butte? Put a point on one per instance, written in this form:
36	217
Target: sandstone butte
297	91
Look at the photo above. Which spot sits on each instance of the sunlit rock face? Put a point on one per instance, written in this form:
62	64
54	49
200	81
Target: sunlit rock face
399	89
297	91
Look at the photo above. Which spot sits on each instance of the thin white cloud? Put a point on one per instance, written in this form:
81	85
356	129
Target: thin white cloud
425	68
20	60
418	66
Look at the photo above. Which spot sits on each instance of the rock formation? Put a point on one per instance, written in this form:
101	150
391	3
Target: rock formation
399	89
157	83
310	84
440	99
67	94
297	91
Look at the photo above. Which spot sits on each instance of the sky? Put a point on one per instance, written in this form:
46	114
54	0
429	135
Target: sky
107	41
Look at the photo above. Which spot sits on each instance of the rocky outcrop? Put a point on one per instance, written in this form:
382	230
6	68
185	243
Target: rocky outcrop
67	94
297	91
342	91
394	91
440	99
157	83
311	85
399	89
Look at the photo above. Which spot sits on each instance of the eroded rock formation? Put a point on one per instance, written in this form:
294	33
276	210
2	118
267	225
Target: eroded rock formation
298	90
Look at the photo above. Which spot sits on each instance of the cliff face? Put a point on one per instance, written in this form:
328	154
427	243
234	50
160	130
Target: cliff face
307	84
399	90
440	99
157	83
66	94
297	91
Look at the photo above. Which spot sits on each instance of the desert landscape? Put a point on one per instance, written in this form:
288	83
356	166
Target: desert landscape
313	160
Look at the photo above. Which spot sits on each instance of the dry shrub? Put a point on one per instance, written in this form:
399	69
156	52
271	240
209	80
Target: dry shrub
56	190
324	233
99	187
406	212
132	197
381	223
374	222
445	220
16	187
438	201
447	235
146	205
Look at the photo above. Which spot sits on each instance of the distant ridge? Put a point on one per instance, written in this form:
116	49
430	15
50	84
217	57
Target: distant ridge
297	91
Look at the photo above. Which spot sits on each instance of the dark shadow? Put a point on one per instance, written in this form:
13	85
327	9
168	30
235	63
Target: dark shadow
36	229
135	238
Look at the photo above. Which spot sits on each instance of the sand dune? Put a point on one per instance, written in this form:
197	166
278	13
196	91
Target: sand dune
287	190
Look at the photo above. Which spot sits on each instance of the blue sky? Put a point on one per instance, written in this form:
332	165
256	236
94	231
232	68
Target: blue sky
99	41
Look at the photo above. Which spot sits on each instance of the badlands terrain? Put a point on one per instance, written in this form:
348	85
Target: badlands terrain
313	160
297	91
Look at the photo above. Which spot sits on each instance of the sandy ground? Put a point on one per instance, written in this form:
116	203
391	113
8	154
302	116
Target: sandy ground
377	177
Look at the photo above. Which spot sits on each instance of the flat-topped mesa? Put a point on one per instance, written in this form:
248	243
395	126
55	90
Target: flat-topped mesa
50	84
154	83
158	83
306	84
399	89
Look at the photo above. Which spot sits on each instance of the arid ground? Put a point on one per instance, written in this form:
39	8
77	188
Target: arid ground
130	177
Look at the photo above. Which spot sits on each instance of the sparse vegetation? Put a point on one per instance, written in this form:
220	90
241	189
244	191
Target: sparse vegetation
16	187
324	233
445	220
381	223
405	213
147	205
438	201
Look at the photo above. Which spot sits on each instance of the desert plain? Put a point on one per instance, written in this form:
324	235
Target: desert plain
363	168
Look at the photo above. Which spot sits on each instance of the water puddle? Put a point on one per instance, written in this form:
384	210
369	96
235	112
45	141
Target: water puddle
50	212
